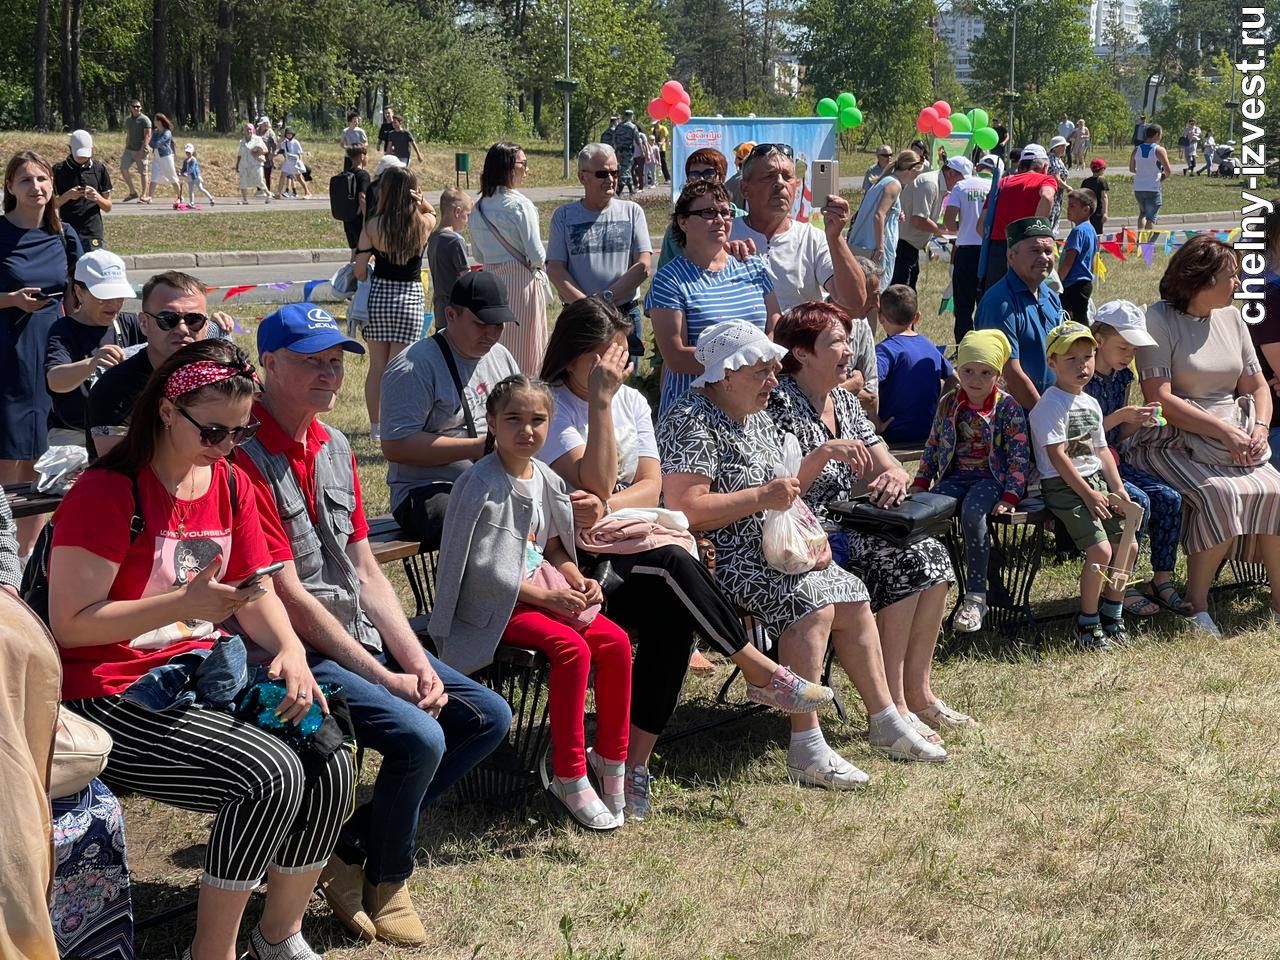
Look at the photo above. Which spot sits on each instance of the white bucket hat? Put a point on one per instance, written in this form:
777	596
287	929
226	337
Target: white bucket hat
732	345
389	161
1127	319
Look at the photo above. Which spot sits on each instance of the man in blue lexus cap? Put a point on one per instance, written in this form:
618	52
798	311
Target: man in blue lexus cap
430	724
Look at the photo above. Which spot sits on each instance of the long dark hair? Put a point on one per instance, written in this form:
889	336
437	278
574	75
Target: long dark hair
694	189
163	121
139	445
401	228
51	222
583	326
504	390
499	167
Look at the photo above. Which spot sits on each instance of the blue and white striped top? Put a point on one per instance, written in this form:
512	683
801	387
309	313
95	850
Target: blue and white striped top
706	297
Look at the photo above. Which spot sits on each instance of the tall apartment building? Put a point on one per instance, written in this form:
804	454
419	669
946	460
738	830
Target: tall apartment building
1101	13
959	32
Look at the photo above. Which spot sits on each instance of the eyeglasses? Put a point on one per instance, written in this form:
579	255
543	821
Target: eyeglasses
217	436
764	149
522	163
883	156
712	213
604	174
710	173
135	106
166	320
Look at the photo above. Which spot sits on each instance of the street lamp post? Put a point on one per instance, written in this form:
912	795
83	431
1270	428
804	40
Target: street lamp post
1013	57
567	89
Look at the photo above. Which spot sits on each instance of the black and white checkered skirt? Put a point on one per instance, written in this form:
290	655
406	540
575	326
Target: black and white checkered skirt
395	310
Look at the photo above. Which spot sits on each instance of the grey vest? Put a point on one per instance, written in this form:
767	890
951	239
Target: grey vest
320	549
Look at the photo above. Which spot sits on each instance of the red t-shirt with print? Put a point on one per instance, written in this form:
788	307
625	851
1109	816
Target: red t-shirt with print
95	516
1019	197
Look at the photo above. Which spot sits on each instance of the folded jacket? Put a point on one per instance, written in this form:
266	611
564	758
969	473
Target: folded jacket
626	532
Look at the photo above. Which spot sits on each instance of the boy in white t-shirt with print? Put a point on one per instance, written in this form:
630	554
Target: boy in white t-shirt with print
1078	477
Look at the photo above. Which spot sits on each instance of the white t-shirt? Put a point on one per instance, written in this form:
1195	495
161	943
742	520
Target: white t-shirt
968	196
798	260
536	545
1072	419
632	429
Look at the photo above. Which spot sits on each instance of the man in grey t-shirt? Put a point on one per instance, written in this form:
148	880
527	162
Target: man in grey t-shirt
137	146
426	436
600	244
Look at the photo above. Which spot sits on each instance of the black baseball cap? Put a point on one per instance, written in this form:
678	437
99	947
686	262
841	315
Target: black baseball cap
483	295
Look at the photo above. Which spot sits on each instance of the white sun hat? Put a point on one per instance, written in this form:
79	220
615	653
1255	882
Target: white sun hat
732	345
389	161
1127	319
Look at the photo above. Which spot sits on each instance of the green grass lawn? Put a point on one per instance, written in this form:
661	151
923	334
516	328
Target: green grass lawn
1120	807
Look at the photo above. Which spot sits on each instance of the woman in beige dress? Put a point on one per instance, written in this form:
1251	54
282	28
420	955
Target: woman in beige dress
504	237
1205	374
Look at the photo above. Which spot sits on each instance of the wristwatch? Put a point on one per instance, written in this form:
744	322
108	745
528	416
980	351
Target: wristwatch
606	295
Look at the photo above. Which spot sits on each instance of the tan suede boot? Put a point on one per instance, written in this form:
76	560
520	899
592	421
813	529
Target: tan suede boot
392	912
343	887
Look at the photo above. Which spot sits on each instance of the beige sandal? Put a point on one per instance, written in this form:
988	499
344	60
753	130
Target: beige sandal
941	717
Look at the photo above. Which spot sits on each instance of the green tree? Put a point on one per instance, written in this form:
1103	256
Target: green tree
1052	39
882	53
619	58
1078	93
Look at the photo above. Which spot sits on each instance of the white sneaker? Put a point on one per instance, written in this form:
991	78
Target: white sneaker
911	746
968	618
834	773
1203	623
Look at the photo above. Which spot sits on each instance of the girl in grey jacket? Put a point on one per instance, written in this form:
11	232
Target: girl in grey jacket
508	574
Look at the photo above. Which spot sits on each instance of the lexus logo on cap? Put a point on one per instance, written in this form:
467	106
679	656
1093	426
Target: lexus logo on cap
319	317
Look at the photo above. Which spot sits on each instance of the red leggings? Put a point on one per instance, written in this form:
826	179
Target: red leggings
571	654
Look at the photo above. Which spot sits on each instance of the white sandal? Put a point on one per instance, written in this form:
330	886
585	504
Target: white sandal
973	609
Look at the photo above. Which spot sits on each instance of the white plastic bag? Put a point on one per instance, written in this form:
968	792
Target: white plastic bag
794	541
58	466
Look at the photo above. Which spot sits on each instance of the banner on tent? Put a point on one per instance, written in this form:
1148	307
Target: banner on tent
810	138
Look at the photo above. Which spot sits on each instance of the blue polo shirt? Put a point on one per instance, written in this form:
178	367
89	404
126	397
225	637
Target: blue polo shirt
1083	239
1025	320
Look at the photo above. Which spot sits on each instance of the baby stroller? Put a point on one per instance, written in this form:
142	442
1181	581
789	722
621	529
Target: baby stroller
1225	162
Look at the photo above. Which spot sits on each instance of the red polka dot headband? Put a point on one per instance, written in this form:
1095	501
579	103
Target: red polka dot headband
202	373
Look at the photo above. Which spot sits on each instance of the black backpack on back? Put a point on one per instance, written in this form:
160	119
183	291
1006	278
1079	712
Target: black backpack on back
344	200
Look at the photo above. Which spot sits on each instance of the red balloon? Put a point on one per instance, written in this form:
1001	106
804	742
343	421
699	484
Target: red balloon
671	91
658	108
928	117
943	108
680	113
942	128
684	95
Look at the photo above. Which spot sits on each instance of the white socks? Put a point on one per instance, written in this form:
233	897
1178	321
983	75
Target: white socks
887	726
807	748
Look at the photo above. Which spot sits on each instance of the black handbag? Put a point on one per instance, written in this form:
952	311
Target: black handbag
918	516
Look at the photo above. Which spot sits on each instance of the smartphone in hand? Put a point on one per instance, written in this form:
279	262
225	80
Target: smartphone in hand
258	574
825	180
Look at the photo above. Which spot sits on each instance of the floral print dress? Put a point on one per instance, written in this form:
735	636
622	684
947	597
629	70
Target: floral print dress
697	437
891	573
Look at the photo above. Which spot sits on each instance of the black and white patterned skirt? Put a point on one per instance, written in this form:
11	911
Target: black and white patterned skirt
395	310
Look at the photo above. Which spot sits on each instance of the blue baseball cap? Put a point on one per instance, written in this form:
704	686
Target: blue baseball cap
303	328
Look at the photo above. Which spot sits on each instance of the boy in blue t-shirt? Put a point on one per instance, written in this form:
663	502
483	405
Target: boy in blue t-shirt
912	370
1075	265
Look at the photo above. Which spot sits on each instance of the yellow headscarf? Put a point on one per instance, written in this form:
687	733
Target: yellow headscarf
984	346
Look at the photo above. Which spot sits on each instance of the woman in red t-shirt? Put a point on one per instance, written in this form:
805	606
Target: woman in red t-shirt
122	602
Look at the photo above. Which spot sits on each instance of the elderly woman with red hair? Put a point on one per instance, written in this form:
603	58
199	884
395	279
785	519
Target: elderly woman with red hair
908	585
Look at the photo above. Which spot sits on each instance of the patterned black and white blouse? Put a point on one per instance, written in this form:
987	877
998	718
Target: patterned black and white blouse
697	437
891	573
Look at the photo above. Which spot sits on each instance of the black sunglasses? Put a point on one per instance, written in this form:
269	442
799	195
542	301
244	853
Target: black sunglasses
711	173
166	320
712	213
216	436
764	149
605	174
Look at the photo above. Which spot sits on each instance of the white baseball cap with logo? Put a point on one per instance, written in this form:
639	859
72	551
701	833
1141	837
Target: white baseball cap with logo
81	144
103	274
1127	319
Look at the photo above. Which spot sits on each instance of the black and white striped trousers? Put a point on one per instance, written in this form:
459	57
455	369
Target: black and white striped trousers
269	812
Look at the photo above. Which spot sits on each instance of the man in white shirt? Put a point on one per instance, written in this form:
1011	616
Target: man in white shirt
1065	130
803	263
600	245
922	206
963	217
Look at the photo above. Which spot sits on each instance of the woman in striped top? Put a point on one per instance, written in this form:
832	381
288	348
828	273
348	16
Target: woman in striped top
703	287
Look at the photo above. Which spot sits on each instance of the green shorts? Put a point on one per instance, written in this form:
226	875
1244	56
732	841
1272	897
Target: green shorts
1084	528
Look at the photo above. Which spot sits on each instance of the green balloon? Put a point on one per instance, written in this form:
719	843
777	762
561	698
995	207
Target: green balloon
978	118
828	108
986	138
850	117
846	100
959	123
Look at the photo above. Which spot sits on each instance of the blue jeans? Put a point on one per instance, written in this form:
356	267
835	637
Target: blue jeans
977	497
1149	202
422	757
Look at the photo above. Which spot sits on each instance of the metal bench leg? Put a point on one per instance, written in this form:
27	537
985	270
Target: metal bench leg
827	667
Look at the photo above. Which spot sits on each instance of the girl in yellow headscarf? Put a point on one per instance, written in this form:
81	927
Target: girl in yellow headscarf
978	453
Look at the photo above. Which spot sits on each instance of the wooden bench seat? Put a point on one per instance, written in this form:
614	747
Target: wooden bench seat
26	501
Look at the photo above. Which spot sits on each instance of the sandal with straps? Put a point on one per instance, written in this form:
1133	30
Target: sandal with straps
1139	604
1167	595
